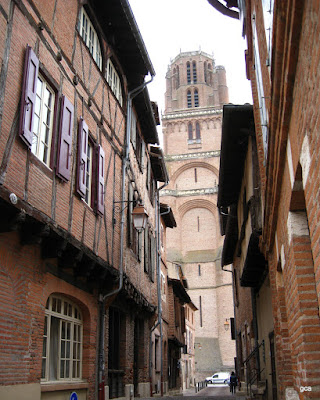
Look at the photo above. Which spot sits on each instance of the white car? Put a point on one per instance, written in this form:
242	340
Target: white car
219	377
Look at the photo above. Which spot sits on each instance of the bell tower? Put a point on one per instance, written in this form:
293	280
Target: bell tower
196	90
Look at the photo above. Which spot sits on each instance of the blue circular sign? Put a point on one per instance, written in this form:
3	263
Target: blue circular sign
73	396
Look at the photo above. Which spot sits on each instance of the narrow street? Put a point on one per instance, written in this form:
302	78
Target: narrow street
217	392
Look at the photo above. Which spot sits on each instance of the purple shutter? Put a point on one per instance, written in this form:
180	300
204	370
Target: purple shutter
65	140
82	157
100	179
28	98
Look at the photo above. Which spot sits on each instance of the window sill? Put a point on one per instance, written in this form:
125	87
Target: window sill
52	387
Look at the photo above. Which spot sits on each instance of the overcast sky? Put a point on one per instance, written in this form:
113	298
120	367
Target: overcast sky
170	26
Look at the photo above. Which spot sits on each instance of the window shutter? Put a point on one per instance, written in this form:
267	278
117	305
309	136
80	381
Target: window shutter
65	140
152	258
28	98
100	179
146	250
82	157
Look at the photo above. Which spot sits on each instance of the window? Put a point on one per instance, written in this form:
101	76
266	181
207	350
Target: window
43	121
205	70
134	236
149	253
190	133
88	173
198	135
199	270
90	37
91	171
37	112
113	80
163	284
188	73
194	71
178	78
195	175
196	98
189	101
62	341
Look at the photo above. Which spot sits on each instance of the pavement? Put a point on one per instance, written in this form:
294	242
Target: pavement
214	392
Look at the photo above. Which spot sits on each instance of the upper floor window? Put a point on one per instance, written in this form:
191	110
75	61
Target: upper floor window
196	98
188	72
43	120
114	81
90	37
88	175
91	170
62	341
194	71
189	100
38	117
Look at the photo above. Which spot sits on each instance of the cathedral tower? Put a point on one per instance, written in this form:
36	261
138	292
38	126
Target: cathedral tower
196	90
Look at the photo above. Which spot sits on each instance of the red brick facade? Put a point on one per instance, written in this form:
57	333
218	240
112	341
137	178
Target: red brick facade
282	64
66	91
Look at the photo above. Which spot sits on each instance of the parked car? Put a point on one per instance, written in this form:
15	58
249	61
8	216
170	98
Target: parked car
219	377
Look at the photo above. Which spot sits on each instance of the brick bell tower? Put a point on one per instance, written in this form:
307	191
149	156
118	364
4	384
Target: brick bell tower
196	90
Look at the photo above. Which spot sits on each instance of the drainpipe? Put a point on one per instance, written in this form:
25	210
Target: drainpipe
102	299
159	322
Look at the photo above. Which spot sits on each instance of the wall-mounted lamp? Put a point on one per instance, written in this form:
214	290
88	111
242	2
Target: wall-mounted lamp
226	324
139	217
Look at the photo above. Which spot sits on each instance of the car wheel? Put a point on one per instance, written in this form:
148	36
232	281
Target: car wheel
226	381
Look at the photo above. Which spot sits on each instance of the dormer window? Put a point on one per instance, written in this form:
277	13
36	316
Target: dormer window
114	81
90	37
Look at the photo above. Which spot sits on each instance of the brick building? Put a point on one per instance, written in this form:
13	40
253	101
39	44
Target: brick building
78	282
195	92
282	65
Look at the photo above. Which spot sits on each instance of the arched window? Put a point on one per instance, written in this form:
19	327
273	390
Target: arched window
198	134
188	73
62	341
90	37
189	100
205	71
196	98
209	77
190	135
113	79
194	71
178	77
174	80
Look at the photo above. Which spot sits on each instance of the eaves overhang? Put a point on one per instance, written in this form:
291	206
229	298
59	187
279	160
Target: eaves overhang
237	125
147	119
119	25
255	266
179	290
231	236
167	215
158	165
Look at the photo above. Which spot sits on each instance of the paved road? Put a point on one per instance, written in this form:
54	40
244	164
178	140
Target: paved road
216	392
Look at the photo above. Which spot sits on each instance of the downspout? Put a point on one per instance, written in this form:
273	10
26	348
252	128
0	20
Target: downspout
102	298
158	265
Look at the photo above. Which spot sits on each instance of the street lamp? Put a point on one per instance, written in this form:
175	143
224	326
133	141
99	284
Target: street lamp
139	217
226	325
